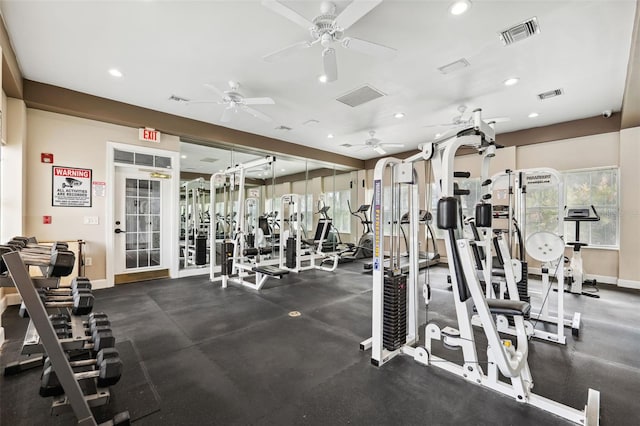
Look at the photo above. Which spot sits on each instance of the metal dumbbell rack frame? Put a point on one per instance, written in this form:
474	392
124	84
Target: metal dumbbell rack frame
52	346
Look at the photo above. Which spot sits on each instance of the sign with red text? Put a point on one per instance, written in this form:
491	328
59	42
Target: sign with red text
149	135
71	187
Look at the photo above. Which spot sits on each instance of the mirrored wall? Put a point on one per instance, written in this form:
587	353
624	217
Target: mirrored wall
322	190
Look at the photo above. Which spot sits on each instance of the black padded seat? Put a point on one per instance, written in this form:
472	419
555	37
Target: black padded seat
272	271
507	307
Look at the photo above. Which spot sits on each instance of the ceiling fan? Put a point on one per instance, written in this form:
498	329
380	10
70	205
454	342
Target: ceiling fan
236	102
377	145
327	29
462	120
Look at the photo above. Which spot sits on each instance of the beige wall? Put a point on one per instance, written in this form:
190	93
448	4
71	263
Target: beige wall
74	142
629	273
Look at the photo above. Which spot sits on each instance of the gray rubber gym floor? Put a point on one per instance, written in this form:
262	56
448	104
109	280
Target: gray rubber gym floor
197	354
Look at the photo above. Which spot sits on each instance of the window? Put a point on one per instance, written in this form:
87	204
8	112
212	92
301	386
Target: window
597	187
340	210
468	201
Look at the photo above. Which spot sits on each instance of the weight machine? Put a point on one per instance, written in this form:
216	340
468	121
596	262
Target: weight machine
575	272
394	316
239	259
197	223
545	246
291	254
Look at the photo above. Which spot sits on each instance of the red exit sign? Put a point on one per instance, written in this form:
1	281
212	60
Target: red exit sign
149	135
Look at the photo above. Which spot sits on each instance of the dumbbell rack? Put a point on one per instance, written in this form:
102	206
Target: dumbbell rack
74	395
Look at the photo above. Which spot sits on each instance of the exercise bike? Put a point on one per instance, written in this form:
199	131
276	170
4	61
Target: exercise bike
575	273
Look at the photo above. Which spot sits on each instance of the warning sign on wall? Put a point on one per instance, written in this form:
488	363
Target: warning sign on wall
71	187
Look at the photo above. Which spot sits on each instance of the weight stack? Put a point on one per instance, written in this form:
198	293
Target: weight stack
201	250
290	260
226	264
251	241
394	316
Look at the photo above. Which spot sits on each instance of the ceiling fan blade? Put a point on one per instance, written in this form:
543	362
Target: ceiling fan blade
440	125
496	119
215	89
369	48
279	54
330	65
226	114
258	101
379	150
203	102
256	113
288	13
392	145
354	11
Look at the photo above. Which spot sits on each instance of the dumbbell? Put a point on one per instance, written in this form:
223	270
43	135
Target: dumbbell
4	249
80	302
97	328
106	368
60	259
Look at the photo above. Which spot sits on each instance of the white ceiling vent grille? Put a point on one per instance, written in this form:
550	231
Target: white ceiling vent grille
346	145
454	66
208	160
360	96
283	128
550	94
519	32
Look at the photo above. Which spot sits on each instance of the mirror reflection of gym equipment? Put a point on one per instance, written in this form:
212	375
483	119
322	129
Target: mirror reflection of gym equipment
195	223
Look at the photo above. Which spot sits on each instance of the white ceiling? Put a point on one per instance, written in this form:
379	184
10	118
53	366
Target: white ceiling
174	47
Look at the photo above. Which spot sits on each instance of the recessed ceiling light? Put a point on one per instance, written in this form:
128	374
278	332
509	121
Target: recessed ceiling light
511	81
283	170
438	135
330	135
115	72
533	115
459	7
399	115
183	156
322	78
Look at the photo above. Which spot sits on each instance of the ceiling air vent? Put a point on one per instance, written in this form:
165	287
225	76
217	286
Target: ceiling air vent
454	66
550	94
208	160
283	128
360	96
519	32
346	145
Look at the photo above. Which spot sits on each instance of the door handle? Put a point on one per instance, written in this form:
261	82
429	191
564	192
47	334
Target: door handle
120	231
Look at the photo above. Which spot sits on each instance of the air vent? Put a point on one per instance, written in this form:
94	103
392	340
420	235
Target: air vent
360	96
208	160
178	98
454	66
283	128
346	145
550	94
519	32
310	122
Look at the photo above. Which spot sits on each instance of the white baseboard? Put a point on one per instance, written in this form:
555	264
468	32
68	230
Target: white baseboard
629	284
604	279
10	300
98	284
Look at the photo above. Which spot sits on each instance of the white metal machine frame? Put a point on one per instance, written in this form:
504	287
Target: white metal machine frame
242	267
306	258
194	222
503	357
544	247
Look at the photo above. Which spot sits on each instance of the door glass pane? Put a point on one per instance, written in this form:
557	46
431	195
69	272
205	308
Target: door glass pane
131	259
131	187
155	188
144	159
143	258
143	188
154	259
143	239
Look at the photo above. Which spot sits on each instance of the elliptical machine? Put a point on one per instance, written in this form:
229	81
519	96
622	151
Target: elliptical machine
364	248
575	273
